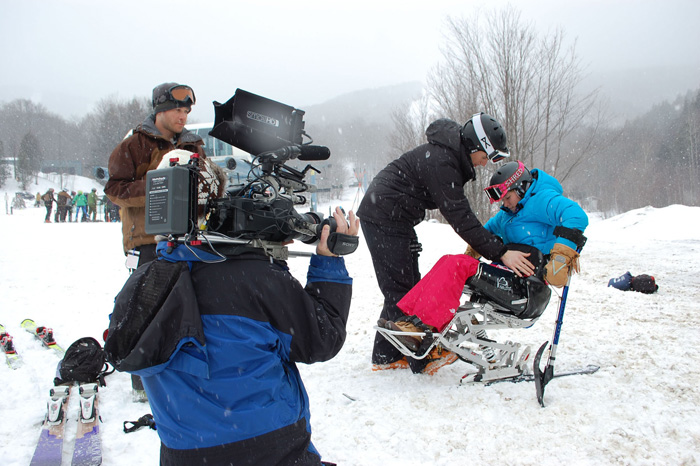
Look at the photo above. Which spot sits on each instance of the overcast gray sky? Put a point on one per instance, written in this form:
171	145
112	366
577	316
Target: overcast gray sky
68	54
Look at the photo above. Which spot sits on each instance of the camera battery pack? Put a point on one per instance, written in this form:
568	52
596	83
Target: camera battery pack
168	201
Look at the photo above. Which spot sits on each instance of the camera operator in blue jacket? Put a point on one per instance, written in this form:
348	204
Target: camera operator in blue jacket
218	357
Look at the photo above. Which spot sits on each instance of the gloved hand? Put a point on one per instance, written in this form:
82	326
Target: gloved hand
563	262
472	252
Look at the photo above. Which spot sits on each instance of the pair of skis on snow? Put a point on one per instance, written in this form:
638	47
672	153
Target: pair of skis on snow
49	449
43	334
88	448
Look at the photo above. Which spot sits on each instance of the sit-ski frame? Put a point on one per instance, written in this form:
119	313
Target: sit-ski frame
460	337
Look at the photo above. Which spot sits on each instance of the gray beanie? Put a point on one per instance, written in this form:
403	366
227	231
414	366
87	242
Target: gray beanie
163	99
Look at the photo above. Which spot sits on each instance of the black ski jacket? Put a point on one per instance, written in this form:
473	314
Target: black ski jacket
431	176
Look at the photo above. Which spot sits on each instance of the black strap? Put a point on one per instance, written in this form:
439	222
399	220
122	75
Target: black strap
415	320
572	234
415	247
342	244
105	372
144	421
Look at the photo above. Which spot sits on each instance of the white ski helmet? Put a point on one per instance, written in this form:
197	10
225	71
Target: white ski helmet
483	133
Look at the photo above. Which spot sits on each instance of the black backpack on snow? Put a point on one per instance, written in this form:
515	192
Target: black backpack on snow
644	284
83	362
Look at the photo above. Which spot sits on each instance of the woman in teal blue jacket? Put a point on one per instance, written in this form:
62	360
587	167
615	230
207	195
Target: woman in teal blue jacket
533	207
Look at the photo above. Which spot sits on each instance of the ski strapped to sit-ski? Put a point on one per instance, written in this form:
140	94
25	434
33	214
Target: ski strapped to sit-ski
8	348
44	334
589	369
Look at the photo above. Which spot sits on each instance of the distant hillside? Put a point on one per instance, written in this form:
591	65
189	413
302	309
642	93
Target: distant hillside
629	93
632	92
356	127
371	105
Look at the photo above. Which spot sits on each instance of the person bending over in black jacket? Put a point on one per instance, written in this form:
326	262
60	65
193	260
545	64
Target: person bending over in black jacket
430	176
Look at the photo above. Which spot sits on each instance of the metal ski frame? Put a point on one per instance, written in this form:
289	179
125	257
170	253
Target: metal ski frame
470	318
460	337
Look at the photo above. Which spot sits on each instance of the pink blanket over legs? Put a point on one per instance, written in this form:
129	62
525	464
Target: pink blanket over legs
435	298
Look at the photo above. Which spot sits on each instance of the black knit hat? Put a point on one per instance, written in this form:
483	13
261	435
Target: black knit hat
163	99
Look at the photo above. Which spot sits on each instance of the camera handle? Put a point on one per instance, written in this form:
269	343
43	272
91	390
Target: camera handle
342	244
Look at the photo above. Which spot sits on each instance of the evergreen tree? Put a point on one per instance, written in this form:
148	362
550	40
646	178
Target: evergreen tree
4	167
28	159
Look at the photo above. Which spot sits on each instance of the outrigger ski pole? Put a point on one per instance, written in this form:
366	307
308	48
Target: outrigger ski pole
542	378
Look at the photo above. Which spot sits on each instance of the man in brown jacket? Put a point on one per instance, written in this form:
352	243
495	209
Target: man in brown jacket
161	132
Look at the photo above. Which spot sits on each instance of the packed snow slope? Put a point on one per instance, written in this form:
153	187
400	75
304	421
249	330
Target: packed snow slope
641	407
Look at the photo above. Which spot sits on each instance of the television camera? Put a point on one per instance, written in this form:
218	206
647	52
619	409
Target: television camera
259	212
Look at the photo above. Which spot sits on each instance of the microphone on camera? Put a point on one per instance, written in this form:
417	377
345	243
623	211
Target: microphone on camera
307	152
314	153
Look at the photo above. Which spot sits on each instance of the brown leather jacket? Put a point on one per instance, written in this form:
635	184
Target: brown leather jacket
128	164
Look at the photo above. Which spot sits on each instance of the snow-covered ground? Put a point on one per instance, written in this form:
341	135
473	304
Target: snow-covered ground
641	407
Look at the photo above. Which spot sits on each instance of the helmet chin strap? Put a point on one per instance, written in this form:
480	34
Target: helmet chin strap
522	189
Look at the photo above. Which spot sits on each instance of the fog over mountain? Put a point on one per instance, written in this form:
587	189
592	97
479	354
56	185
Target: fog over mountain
375	104
628	94
632	92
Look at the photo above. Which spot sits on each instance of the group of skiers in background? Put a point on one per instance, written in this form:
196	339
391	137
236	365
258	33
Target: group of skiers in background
84	206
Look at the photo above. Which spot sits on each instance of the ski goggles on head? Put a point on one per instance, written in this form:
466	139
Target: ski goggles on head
497	192
179	93
497	156
493	154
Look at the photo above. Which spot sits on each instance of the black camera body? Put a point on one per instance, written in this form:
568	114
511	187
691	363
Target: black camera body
273	220
261	211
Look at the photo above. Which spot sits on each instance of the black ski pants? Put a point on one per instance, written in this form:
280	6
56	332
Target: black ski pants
394	252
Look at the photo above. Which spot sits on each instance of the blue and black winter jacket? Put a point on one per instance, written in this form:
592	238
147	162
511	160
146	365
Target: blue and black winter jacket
218	360
541	210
